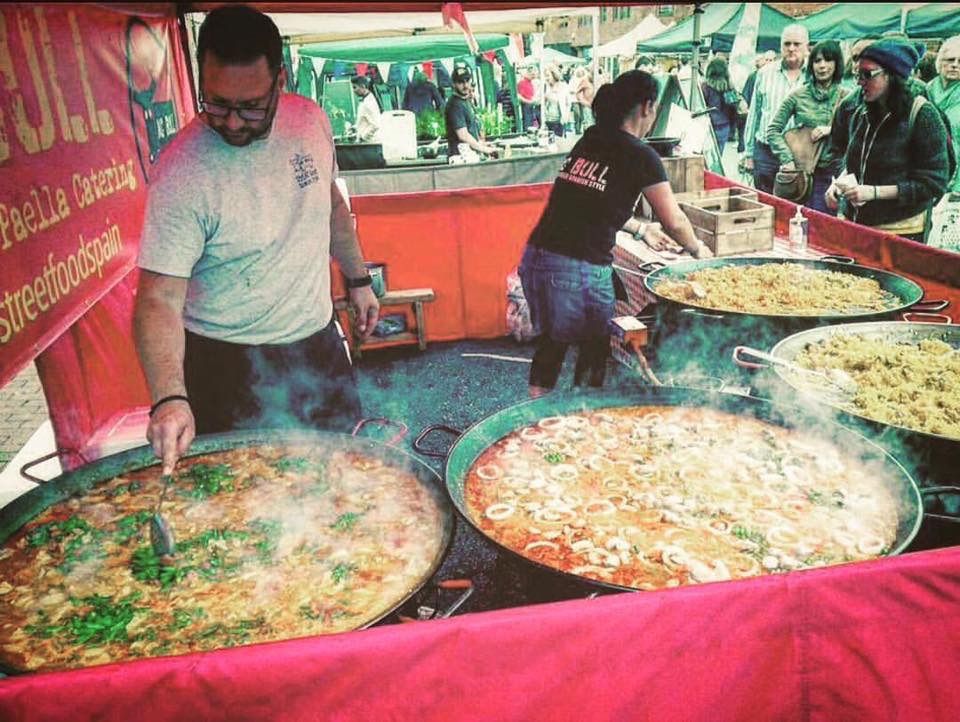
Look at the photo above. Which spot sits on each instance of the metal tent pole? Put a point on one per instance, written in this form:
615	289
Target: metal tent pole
695	57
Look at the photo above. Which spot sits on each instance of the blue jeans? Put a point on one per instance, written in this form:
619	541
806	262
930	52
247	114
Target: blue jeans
821	181
570	301
723	135
765	167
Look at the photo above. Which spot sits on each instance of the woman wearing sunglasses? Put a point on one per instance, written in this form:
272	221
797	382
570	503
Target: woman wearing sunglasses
898	148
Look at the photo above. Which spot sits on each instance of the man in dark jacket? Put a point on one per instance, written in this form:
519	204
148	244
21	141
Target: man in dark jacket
421	94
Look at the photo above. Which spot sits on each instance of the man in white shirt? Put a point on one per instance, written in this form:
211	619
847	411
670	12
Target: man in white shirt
774	82
368	111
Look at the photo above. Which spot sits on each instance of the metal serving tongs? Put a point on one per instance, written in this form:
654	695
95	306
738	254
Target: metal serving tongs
836	383
161	534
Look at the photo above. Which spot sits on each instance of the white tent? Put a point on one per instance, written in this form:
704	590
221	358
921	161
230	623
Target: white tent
322	26
626	45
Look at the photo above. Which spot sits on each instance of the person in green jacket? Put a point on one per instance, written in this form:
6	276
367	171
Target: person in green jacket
898	153
944	92
812	106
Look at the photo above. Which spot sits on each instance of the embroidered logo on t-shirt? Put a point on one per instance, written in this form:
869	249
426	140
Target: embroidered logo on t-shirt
304	169
584	172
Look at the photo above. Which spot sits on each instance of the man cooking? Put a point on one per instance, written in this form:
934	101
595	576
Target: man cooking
368	110
462	125
234	319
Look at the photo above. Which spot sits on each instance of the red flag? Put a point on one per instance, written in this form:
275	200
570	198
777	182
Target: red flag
453	13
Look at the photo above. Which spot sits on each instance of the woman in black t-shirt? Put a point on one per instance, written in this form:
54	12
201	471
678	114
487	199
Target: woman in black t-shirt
566	267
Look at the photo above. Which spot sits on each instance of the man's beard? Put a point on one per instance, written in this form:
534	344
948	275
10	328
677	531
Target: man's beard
246	135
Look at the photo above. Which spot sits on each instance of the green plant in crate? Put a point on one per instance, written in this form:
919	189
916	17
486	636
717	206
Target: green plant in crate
494	123
430	125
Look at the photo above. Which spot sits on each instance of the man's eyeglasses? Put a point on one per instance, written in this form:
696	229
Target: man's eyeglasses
251	114
866	75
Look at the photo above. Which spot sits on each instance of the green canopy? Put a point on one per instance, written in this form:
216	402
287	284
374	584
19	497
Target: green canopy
850	21
935	20
718	27
414	49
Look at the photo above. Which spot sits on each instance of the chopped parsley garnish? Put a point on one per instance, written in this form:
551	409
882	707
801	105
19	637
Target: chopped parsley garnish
148	567
100	620
57	530
130	525
756	537
555	457
183	618
296	464
125	489
346	522
342	571
209	479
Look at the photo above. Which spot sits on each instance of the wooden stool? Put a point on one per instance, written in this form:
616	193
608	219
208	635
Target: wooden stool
413	296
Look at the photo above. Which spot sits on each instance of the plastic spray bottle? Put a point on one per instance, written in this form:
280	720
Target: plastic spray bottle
798	232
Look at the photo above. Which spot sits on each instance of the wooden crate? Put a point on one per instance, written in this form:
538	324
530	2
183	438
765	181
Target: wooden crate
731	225
731	192
685	174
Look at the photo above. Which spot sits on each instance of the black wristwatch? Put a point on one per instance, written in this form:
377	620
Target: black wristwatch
360	282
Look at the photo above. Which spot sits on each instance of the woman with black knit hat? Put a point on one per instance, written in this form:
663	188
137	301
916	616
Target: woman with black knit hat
566	268
898	147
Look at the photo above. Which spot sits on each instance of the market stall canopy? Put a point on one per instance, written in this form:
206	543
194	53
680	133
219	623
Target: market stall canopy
934	20
320	22
849	21
626	44
416	49
718	27
550	56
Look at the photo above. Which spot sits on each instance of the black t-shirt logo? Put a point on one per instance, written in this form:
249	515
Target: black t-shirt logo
586	172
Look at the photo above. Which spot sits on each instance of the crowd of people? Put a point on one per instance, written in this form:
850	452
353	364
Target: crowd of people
863	137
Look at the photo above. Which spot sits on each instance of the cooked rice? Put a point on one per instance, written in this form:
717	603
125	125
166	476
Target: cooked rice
779	288
914	385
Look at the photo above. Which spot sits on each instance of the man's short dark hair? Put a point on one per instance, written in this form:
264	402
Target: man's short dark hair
238	34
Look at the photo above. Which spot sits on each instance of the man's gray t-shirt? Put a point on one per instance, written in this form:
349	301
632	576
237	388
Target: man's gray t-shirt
249	226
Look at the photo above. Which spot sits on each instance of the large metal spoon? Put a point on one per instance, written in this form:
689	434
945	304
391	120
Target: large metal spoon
161	534
837	381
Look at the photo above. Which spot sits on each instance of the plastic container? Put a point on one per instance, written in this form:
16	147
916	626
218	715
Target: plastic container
398	135
378	274
798	232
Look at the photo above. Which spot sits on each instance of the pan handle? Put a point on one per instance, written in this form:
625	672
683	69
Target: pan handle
700	312
421	449
930	305
46	457
403	430
918	317
425	612
839	259
933	490
738	357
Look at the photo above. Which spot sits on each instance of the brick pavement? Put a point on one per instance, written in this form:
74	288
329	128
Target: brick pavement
22	409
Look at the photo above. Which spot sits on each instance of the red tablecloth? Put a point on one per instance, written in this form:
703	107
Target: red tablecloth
870	641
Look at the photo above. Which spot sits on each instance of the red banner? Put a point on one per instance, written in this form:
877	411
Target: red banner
90	96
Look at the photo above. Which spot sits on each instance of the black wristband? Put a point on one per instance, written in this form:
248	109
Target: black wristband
165	399
360	282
